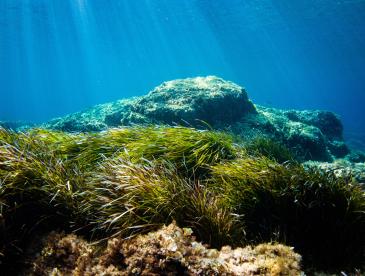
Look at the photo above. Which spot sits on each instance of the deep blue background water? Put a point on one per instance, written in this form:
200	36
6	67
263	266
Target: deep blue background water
60	56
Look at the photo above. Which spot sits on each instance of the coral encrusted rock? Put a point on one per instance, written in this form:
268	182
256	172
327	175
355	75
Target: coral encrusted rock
169	251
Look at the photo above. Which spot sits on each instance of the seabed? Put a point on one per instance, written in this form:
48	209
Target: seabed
155	186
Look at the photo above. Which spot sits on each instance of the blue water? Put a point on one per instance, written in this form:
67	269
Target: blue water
60	56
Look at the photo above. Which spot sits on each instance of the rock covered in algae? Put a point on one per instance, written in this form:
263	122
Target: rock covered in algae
183	101
91	119
169	251
209	99
341	168
328	122
224	105
312	134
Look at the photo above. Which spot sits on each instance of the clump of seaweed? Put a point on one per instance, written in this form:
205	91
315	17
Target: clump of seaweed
169	251
37	187
262	146
188	149
127	198
321	215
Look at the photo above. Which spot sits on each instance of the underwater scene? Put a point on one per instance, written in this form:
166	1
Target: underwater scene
182	137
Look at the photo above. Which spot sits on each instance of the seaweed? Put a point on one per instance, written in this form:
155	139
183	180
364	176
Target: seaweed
269	148
128	181
128	198
47	177
189	149
37	188
321	215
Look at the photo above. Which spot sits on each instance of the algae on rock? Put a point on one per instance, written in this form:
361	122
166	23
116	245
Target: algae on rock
191	101
169	251
211	102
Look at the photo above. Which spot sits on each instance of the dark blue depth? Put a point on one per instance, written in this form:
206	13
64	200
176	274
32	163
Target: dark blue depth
60	56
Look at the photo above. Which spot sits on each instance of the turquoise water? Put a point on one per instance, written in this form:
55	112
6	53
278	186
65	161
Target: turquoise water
60	56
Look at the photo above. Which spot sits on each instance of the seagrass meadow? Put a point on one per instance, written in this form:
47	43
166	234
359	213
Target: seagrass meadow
186	137
100	194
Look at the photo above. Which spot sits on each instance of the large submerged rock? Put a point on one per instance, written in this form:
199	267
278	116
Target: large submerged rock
193	102
189	101
223	105
314	135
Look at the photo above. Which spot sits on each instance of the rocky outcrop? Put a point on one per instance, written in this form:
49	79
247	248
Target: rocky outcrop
188	102
92	119
328	122
205	102
313	135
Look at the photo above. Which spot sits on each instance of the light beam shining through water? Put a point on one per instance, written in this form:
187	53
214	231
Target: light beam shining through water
58	57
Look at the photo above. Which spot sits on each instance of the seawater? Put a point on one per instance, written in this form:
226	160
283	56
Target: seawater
61	56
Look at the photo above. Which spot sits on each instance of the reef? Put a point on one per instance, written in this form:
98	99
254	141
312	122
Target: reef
119	189
211	102
169	251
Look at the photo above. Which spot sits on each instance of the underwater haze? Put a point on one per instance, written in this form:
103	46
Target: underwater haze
61	56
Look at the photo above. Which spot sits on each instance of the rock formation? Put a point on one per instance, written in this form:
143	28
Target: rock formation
211	102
